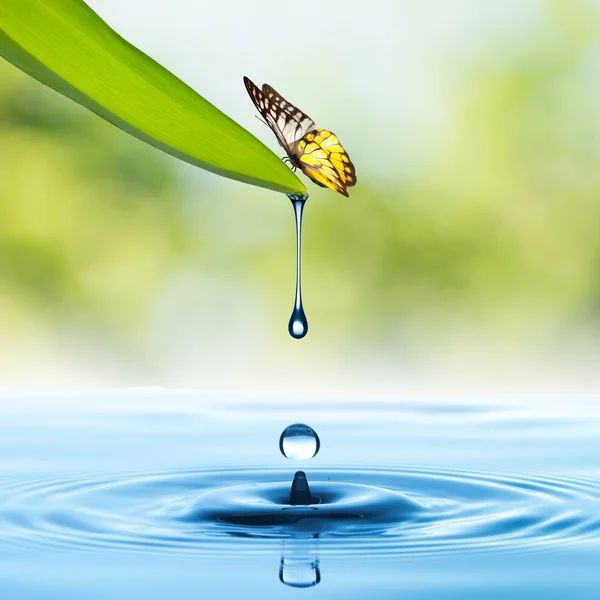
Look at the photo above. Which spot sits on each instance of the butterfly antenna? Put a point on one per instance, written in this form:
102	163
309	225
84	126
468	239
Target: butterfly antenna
262	120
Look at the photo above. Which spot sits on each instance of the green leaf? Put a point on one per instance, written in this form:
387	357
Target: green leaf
66	46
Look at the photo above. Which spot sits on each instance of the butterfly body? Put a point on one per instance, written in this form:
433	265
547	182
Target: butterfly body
316	152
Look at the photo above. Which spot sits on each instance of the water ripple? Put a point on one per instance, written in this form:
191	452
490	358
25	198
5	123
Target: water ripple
382	511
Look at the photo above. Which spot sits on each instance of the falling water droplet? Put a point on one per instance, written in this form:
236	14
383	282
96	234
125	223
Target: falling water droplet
299	442
298	325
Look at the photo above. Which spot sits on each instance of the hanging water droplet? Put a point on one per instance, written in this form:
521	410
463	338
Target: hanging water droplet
299	442
298	325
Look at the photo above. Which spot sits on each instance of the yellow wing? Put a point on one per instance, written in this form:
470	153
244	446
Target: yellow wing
323	159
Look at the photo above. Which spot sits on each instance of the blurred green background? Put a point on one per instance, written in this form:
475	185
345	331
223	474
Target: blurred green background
467	258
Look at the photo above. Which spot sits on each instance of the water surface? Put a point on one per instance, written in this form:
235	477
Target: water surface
186	495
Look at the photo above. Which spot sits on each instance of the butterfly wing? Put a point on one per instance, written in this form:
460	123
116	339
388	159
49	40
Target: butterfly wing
296	124
289	124
317	152
323	159
337	155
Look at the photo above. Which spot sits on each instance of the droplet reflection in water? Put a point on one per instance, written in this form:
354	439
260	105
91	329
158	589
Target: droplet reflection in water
299	566
298	325
299	442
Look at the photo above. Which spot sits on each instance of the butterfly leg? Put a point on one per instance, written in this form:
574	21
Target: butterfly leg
286	159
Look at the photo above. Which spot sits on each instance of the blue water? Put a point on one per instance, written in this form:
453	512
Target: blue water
157	494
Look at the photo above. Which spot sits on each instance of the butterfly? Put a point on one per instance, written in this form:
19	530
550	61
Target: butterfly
316	152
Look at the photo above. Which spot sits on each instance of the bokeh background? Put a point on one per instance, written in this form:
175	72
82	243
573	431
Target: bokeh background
467	259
